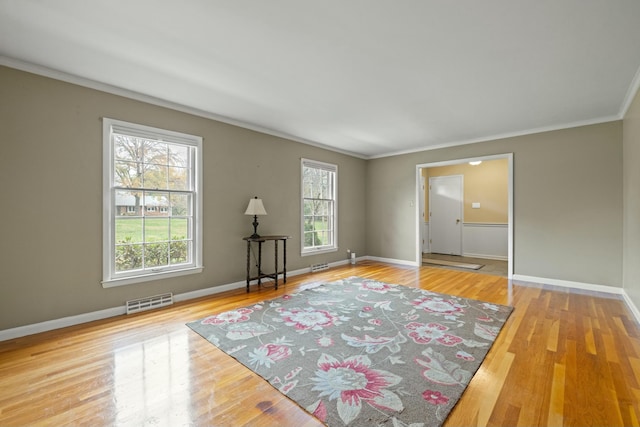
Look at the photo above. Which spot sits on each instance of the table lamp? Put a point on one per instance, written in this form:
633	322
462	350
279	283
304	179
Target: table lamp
255	208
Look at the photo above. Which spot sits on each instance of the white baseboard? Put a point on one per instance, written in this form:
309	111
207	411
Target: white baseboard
391	261
50	325
331	264
209	291
485	256
569	284
584	286
631	305
241	284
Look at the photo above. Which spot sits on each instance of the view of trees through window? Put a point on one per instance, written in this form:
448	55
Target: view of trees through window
318	206
153	203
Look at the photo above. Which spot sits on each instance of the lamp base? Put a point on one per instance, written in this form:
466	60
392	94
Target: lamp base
255	234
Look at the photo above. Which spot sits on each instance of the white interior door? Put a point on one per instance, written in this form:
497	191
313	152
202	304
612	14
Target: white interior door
445	214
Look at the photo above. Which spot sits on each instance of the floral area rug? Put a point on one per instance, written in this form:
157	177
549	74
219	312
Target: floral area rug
358	352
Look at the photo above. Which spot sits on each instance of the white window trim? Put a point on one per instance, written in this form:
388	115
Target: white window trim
325	249
110	278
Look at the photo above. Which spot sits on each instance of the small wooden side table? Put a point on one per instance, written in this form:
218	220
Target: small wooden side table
261	275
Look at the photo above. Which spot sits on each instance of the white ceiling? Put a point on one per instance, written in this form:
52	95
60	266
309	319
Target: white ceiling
366	77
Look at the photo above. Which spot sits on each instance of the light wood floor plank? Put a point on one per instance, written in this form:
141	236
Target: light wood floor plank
564	357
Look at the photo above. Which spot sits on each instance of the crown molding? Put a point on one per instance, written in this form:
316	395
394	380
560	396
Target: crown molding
501	136
137	96
631	94
103	87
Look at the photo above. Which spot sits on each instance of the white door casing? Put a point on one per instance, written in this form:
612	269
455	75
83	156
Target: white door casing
424	218
510	225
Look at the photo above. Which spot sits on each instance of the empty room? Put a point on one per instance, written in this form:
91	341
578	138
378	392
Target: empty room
319	213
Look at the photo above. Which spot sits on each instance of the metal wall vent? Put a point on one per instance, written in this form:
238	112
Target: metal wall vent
149	303
319	267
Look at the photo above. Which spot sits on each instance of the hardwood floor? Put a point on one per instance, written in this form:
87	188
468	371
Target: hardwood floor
563	358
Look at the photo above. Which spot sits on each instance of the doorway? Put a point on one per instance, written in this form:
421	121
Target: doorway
424	229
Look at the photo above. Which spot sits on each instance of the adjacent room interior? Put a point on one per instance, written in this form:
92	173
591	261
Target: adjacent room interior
470	202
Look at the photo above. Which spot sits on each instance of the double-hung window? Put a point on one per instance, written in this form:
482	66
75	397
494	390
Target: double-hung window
319	207
152	203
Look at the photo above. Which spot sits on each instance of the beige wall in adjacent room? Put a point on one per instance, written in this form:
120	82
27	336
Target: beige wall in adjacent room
631	168
567	202
51	195
486	183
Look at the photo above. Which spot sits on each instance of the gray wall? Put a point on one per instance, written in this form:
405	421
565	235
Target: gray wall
51	196
567	202
631	138
568	199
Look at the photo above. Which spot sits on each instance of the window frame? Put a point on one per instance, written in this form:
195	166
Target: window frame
325	248
110	277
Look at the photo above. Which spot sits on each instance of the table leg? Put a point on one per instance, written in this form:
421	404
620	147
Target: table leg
248	264
259	264
284	260
276	270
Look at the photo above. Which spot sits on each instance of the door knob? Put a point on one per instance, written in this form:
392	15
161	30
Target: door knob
457	221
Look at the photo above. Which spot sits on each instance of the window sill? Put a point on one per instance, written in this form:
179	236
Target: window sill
149	277
318	251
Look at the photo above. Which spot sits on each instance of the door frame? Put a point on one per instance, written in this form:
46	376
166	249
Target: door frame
424	229
510	219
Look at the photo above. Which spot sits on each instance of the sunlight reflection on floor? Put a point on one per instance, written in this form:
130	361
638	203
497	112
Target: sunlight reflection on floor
152	382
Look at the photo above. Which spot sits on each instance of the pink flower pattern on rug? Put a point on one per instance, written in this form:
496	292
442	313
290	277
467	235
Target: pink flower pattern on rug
439	306
423	334
308	318
360	352
352	382
233	316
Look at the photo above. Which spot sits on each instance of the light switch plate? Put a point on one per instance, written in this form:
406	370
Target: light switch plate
475	205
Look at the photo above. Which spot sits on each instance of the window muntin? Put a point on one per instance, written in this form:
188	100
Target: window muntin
319	210
152	203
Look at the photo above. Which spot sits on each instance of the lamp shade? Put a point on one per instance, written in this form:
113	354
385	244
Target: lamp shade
255	207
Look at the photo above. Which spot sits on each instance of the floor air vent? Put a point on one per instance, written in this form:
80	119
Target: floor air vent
149	303
319	267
